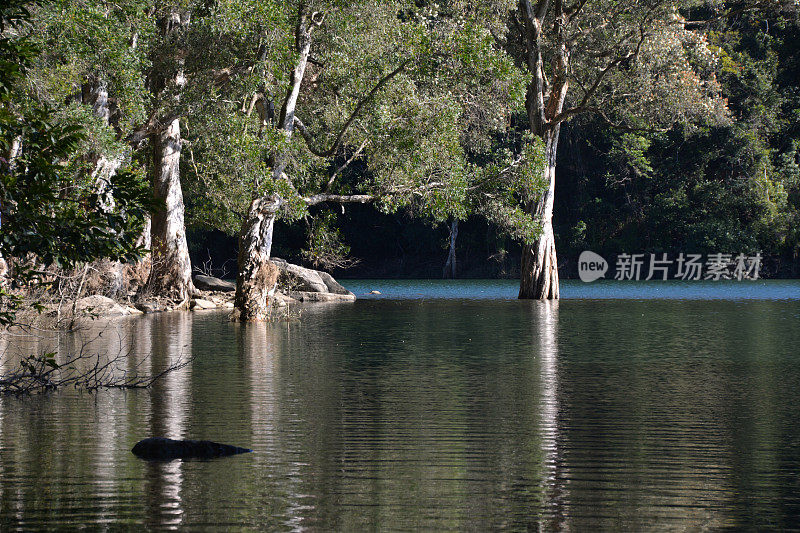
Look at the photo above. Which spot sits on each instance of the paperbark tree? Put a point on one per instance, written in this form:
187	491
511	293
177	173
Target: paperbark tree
255	239
171	269
90	70
384	123
636	65
50	202
305	106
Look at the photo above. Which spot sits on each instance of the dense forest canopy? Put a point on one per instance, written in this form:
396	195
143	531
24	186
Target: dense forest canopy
648	126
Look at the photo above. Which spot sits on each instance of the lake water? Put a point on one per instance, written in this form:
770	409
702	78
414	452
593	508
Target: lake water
436	405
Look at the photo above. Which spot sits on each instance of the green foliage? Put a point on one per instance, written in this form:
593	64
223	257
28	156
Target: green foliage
79	41
728	188
418	143
51	206
510	182
628	155
50	212
325	247
440	139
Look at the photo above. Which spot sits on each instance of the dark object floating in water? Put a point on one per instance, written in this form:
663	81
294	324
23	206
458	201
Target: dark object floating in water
163	449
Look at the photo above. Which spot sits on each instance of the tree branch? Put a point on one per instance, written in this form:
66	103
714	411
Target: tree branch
572	13
533	36
340	136
338	198
153	125
541	8
618	125
589	94
345	164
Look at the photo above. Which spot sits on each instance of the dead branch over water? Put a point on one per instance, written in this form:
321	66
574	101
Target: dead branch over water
88	369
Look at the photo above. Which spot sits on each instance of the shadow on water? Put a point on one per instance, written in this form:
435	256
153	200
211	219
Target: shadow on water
450	414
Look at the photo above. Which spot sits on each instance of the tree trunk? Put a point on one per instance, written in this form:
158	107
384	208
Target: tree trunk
257	275
171	269
450	266
539	272
544	104
95	94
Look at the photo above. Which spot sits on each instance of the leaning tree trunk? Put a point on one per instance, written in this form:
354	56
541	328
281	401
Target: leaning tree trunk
539	273
258	276
171	269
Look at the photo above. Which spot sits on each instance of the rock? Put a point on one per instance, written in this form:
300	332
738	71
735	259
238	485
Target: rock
148	307
297	279
210	283
199	303
308	296
163	449
102	306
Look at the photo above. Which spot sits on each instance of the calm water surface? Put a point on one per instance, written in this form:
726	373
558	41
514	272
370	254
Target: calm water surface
445	406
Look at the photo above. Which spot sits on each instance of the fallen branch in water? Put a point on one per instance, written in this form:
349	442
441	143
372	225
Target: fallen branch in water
85	371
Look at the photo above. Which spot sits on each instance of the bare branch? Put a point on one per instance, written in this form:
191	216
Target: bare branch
591	91
575	11
726	14
339	198
346	164
83	370
623	127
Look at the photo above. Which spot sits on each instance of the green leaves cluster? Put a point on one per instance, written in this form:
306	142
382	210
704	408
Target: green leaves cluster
419	143
50	204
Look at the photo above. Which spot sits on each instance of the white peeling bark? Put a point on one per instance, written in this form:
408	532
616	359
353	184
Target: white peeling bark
104	171
171	269
539	269
145	239
106	166
14	152
539	273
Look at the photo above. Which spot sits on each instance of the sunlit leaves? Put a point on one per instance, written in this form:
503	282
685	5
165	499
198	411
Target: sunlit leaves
455	91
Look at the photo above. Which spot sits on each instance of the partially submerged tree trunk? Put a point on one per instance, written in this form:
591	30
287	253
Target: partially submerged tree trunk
539	273
449	270
171	269
257	275
544	103
255	282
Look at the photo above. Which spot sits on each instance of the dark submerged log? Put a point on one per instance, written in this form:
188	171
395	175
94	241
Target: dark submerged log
163	449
